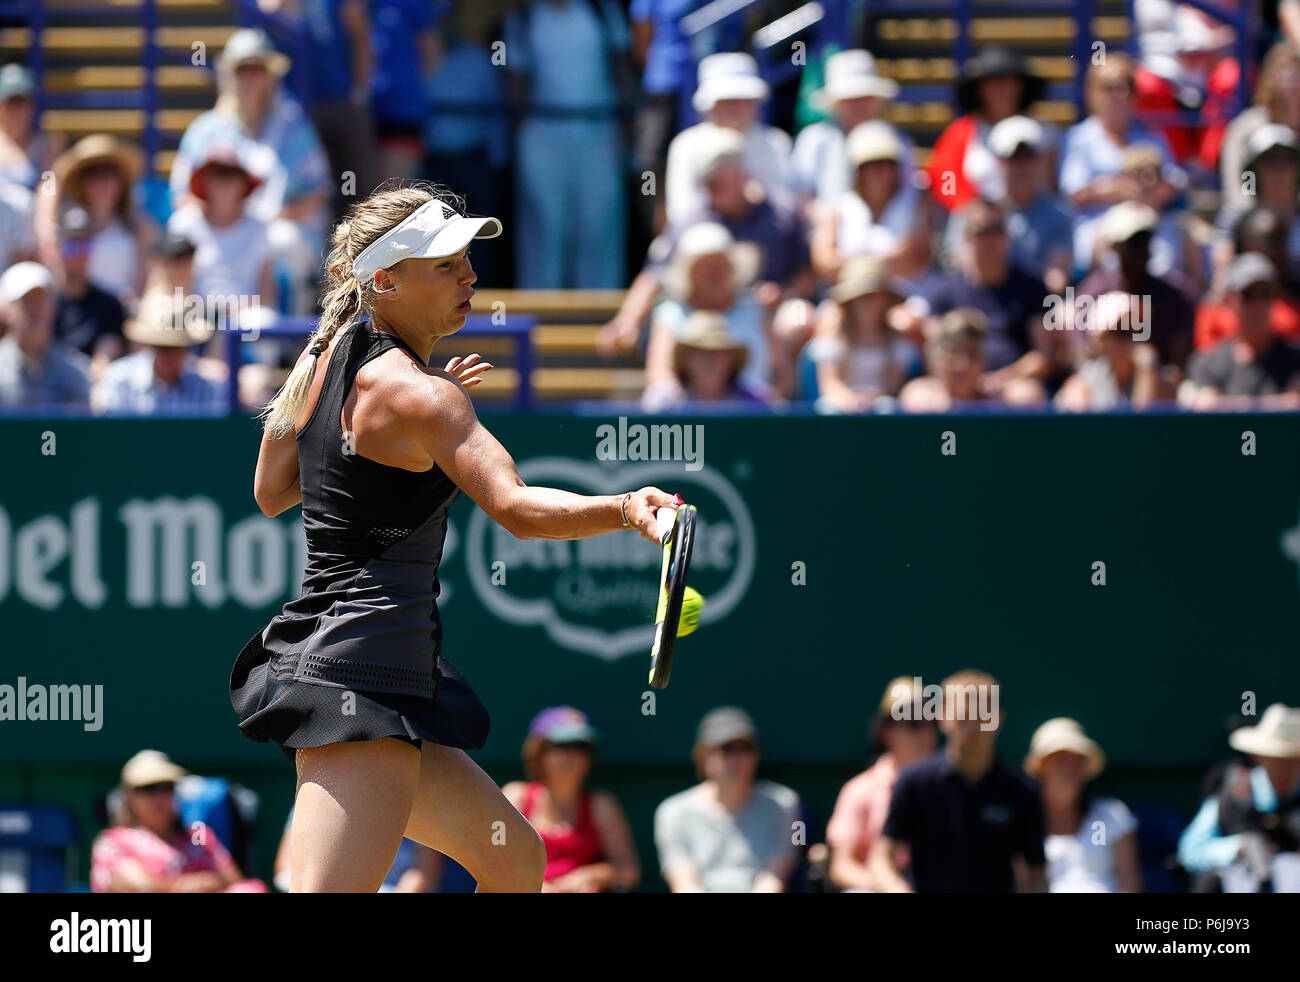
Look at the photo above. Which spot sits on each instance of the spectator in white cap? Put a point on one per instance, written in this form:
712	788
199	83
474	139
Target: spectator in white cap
25	151
1040	230
729	95
879	215
283	149
737	202
160	379
566	59
730	833
853	92
1256	369
710	271
1277	100
1091	842
35	369
1272	169
1246	836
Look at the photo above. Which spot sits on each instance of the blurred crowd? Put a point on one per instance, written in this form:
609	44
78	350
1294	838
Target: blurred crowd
827	260
924	817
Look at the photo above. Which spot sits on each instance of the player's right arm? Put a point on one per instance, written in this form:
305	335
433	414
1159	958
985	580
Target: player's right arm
449	430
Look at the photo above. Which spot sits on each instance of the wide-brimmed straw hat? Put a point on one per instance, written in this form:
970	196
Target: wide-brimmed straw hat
860	276
1064	734
852	75
871	141
1277	734
253	44
706	330
729	75
991	62
89	151
151	767
161	323
709	239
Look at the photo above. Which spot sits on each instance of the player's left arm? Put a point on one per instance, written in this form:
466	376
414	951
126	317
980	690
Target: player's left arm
275	484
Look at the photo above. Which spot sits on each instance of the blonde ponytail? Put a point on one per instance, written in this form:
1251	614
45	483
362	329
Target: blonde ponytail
344	298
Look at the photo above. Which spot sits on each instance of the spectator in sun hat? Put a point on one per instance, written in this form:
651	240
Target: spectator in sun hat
98	174
1163	301
737	202
995	84
1246	837
729	95
35	368
879	215
853	93
277	142
25	152
86	318
730	833
710	270
707	364
149	850
859	358
233	251
1254	369
1063	759
161	378
1039	227
863	803
588	843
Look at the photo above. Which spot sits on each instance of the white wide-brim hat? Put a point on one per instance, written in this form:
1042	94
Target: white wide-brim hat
730	75
871	141
22	278
1064	735
151	767
1277	734
710	239
432	231
852	75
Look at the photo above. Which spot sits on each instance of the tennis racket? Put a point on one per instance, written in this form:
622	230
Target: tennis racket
677	533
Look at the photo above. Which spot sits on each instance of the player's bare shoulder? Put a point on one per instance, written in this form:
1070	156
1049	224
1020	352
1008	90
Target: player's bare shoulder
411	391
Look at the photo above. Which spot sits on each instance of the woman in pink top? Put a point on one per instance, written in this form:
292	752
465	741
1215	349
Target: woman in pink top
588	845
860	810
149	851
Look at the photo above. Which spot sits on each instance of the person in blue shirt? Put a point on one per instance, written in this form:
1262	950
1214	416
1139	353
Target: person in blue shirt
402	37
1246	836
340	63
569	154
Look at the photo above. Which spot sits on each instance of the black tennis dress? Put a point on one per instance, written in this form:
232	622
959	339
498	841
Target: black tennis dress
358	655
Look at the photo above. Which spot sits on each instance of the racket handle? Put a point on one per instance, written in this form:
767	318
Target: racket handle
664	518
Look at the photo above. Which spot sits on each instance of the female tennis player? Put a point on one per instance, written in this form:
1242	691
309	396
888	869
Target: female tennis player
349	678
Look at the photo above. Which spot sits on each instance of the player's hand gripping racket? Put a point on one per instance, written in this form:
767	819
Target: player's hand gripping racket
677	533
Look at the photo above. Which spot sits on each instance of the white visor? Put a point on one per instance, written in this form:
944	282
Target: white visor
430	232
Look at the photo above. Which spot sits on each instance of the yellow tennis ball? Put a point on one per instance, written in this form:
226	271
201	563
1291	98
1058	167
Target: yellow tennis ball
692	604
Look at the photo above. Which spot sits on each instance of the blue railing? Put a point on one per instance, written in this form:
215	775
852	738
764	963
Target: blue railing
518	328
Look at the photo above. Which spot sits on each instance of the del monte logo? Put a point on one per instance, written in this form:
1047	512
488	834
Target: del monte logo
596	596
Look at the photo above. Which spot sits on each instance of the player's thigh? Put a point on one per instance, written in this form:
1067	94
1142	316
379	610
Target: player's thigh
352	804
460	811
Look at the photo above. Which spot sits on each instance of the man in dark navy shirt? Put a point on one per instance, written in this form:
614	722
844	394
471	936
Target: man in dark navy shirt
971	823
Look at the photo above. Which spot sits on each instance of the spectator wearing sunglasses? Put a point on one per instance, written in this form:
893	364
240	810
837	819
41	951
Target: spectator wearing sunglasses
588	843
149	850
729	833
86	318
863	803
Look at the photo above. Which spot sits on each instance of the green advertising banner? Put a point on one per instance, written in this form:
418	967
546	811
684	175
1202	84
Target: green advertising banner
1138	573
